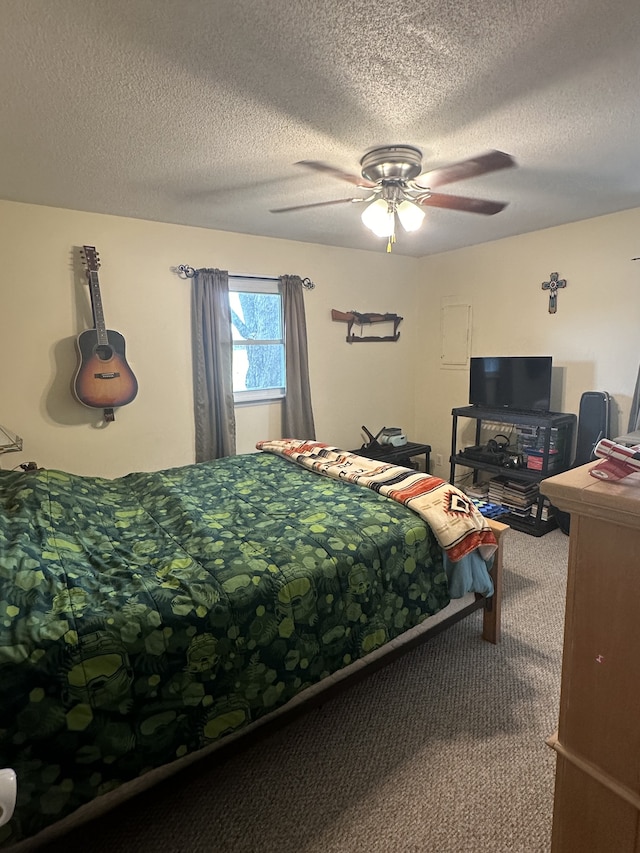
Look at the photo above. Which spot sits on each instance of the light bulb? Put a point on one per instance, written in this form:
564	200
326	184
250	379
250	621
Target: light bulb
410	215
379	218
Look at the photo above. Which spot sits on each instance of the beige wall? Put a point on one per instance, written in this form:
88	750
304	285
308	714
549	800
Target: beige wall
594	336
45	304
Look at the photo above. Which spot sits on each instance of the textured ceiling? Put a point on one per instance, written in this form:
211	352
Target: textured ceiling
196	111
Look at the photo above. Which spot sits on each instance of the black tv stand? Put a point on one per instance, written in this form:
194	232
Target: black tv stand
544	422
508	410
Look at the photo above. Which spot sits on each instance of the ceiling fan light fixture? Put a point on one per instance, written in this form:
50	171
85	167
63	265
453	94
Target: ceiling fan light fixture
379	218
410	215
394	177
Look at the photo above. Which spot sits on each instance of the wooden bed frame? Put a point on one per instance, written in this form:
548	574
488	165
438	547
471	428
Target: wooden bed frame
310	698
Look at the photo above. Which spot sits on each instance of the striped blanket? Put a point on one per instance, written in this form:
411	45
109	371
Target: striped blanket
455	521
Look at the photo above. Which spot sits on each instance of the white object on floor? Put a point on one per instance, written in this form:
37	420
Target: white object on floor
8	791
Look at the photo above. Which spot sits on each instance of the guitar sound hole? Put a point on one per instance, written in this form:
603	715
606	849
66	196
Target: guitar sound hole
104	352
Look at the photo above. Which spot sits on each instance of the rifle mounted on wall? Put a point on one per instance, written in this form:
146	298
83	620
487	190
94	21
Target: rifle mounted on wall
362	319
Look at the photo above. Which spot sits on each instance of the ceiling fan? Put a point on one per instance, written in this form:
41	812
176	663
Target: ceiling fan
398	186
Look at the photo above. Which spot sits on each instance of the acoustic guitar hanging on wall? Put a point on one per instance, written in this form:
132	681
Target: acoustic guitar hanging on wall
103	380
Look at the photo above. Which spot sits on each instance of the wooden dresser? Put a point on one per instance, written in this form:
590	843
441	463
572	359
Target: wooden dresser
597	792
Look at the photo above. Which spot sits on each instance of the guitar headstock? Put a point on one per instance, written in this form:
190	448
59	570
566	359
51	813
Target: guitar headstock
91	258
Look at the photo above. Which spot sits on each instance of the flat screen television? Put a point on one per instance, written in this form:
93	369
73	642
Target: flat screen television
513	382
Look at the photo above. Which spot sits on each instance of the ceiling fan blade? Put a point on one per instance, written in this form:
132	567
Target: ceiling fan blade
337	173
489	162
315	204
460	202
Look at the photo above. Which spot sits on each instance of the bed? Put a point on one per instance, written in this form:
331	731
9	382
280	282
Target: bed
148	618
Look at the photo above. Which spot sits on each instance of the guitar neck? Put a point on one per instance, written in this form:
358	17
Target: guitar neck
96	306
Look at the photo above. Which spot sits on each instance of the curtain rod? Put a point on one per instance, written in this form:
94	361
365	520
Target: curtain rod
185	271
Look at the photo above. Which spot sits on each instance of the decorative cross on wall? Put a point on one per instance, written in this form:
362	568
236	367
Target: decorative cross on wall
553	286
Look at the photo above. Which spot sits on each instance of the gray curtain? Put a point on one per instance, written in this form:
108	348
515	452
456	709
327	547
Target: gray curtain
297	413
212	365
634	417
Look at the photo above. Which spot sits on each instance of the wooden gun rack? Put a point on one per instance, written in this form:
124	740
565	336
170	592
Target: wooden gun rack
351	317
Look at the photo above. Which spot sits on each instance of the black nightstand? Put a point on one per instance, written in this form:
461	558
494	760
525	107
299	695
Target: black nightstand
397	455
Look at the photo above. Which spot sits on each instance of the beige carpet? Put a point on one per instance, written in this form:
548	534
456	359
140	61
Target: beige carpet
443	751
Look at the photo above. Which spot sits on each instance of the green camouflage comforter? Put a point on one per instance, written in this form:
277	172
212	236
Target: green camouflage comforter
144	617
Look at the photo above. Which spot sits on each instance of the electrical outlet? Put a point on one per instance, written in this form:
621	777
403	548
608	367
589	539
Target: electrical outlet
439	460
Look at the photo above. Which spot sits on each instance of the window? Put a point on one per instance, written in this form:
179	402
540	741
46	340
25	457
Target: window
257	328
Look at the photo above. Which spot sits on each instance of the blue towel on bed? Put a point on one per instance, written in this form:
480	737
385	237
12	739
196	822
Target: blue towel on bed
470	574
